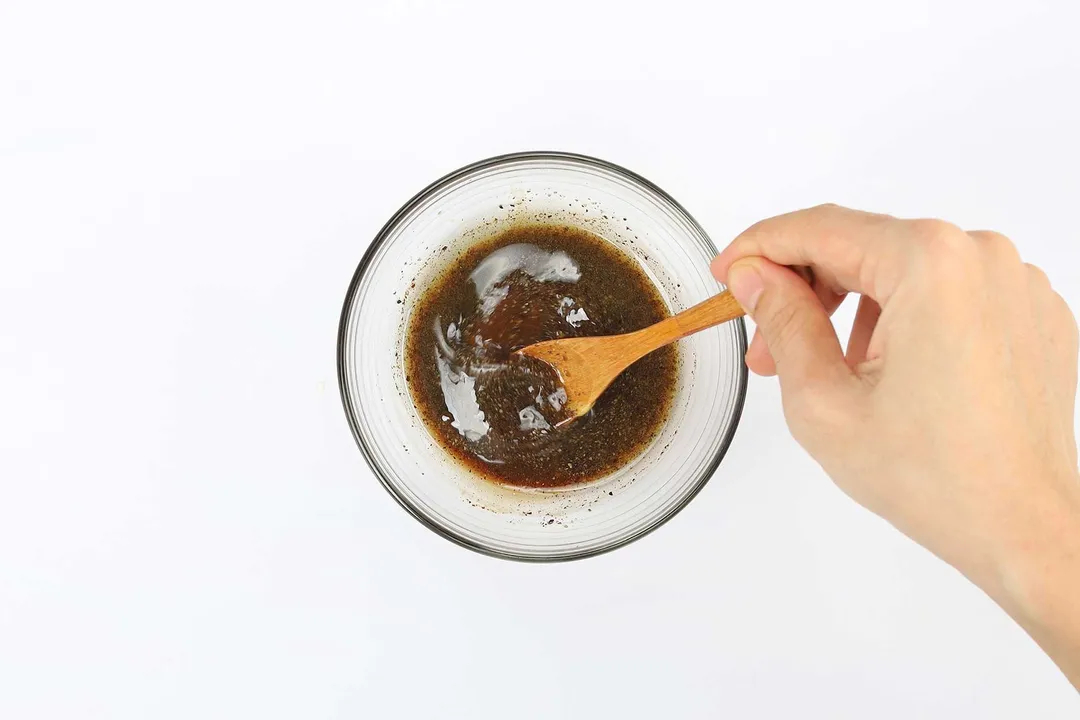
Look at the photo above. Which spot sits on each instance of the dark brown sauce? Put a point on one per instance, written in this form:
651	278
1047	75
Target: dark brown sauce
499	412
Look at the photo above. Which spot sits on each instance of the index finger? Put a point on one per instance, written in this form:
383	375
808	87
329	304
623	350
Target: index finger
849	250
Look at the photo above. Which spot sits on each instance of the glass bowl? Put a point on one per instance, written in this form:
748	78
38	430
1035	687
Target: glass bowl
426	234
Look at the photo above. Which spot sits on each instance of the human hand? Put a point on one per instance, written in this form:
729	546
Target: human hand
951	412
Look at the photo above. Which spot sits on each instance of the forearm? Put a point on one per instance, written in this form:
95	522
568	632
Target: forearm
1040	583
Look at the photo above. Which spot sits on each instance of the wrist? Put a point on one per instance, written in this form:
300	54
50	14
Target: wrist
1038	567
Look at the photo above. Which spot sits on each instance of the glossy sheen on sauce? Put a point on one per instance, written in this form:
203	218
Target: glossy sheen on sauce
501	413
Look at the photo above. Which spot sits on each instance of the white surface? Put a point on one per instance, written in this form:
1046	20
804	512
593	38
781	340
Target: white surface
186	527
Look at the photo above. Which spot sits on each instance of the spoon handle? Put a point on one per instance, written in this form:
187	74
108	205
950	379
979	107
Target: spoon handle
714	311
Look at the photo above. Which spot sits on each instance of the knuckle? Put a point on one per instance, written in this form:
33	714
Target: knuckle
948	248
752	240
825	214
1056	308
939	233
1038	278
996	244
1066	318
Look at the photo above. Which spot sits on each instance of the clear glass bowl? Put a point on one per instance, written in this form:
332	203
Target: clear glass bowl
539	525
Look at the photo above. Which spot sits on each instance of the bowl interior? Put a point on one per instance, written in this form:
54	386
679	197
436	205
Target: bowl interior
431	231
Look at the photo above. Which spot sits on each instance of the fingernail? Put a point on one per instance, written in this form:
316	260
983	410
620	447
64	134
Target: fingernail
745	284
715	266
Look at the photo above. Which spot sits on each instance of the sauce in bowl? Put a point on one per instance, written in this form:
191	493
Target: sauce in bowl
501	413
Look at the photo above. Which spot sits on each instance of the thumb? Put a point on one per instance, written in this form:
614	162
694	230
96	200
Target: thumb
795	325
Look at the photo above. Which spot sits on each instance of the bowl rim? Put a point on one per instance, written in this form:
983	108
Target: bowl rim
352	417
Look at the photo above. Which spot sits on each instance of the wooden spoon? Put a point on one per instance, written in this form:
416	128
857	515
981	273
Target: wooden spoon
588	365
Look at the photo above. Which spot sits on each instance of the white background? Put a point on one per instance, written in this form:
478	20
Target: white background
187	529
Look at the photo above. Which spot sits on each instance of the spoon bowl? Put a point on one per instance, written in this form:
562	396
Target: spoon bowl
588	365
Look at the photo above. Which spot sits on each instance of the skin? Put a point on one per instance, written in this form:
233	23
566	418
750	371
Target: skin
950	414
